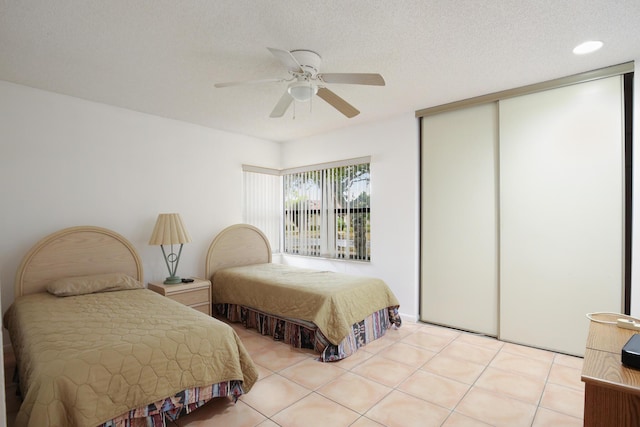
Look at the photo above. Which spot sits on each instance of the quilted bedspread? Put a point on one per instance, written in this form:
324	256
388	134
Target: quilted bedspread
86	359
332	301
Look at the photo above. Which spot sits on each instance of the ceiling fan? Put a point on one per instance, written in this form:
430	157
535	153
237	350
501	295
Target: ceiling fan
306	81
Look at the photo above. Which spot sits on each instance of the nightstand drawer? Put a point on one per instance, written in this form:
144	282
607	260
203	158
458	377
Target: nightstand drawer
204	308
191	298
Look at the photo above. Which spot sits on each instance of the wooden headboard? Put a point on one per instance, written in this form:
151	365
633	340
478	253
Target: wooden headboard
76	251
235	246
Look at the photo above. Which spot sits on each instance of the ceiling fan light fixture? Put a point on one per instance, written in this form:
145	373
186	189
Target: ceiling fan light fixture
302	91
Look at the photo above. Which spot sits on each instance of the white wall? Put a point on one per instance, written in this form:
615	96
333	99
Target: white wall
67	162
393	147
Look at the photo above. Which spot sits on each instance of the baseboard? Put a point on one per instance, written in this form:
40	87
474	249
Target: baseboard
408	318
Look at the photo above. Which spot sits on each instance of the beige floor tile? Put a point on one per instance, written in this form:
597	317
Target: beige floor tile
263	372
496	410
407	328
384	371
267	423
315	410
569	361
480	340
255	343
459	420
527	389
308	352
565	400
273	394
407	354
434	388
510	361
365	422
545	418
441	331
353	360
469	352
456	369
401	410
311	373
381	344
530	352
354	392
222	411
278	356
397	333
566	376
427	341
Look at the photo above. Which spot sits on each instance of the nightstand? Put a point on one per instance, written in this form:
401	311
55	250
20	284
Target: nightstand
196	294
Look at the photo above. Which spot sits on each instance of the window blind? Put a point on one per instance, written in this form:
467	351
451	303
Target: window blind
327	212
319	210
263	202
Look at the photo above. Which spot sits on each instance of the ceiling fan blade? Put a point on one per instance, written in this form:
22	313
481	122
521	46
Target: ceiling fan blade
353	78
248	82
338	103
287	59
282	105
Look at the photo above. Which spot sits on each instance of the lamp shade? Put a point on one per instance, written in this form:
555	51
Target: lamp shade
169	230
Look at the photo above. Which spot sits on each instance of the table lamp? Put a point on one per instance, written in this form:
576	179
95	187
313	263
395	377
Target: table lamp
170	230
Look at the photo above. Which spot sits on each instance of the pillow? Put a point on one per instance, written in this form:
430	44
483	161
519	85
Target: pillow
81	285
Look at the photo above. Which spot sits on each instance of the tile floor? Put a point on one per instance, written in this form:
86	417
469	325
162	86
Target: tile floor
418	375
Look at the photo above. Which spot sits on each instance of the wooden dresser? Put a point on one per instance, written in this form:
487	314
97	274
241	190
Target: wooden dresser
612	391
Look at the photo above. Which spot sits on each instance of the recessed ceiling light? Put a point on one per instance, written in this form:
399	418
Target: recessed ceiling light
587	47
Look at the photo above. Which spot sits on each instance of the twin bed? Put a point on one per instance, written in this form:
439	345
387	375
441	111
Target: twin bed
331	313
107	351
94	347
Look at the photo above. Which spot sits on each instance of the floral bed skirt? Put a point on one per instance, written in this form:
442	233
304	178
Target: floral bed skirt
182	403
302	334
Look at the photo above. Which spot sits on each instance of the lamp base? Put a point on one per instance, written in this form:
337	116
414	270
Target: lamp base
172	280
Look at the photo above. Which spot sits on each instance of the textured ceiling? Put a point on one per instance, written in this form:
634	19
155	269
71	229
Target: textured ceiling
163	56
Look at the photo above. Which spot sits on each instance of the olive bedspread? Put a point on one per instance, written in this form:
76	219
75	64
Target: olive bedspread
333	301
86	359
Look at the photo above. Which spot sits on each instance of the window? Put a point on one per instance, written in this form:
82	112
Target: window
327	210
321	210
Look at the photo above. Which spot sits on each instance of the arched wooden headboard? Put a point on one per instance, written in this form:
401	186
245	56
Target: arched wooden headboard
76	251
235	246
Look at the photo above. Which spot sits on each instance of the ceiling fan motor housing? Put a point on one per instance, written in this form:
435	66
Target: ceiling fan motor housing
309	61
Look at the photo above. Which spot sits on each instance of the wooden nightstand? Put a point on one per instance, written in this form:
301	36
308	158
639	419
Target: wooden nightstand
196	294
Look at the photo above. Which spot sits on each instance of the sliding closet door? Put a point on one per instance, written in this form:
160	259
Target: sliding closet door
561	213
459	267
